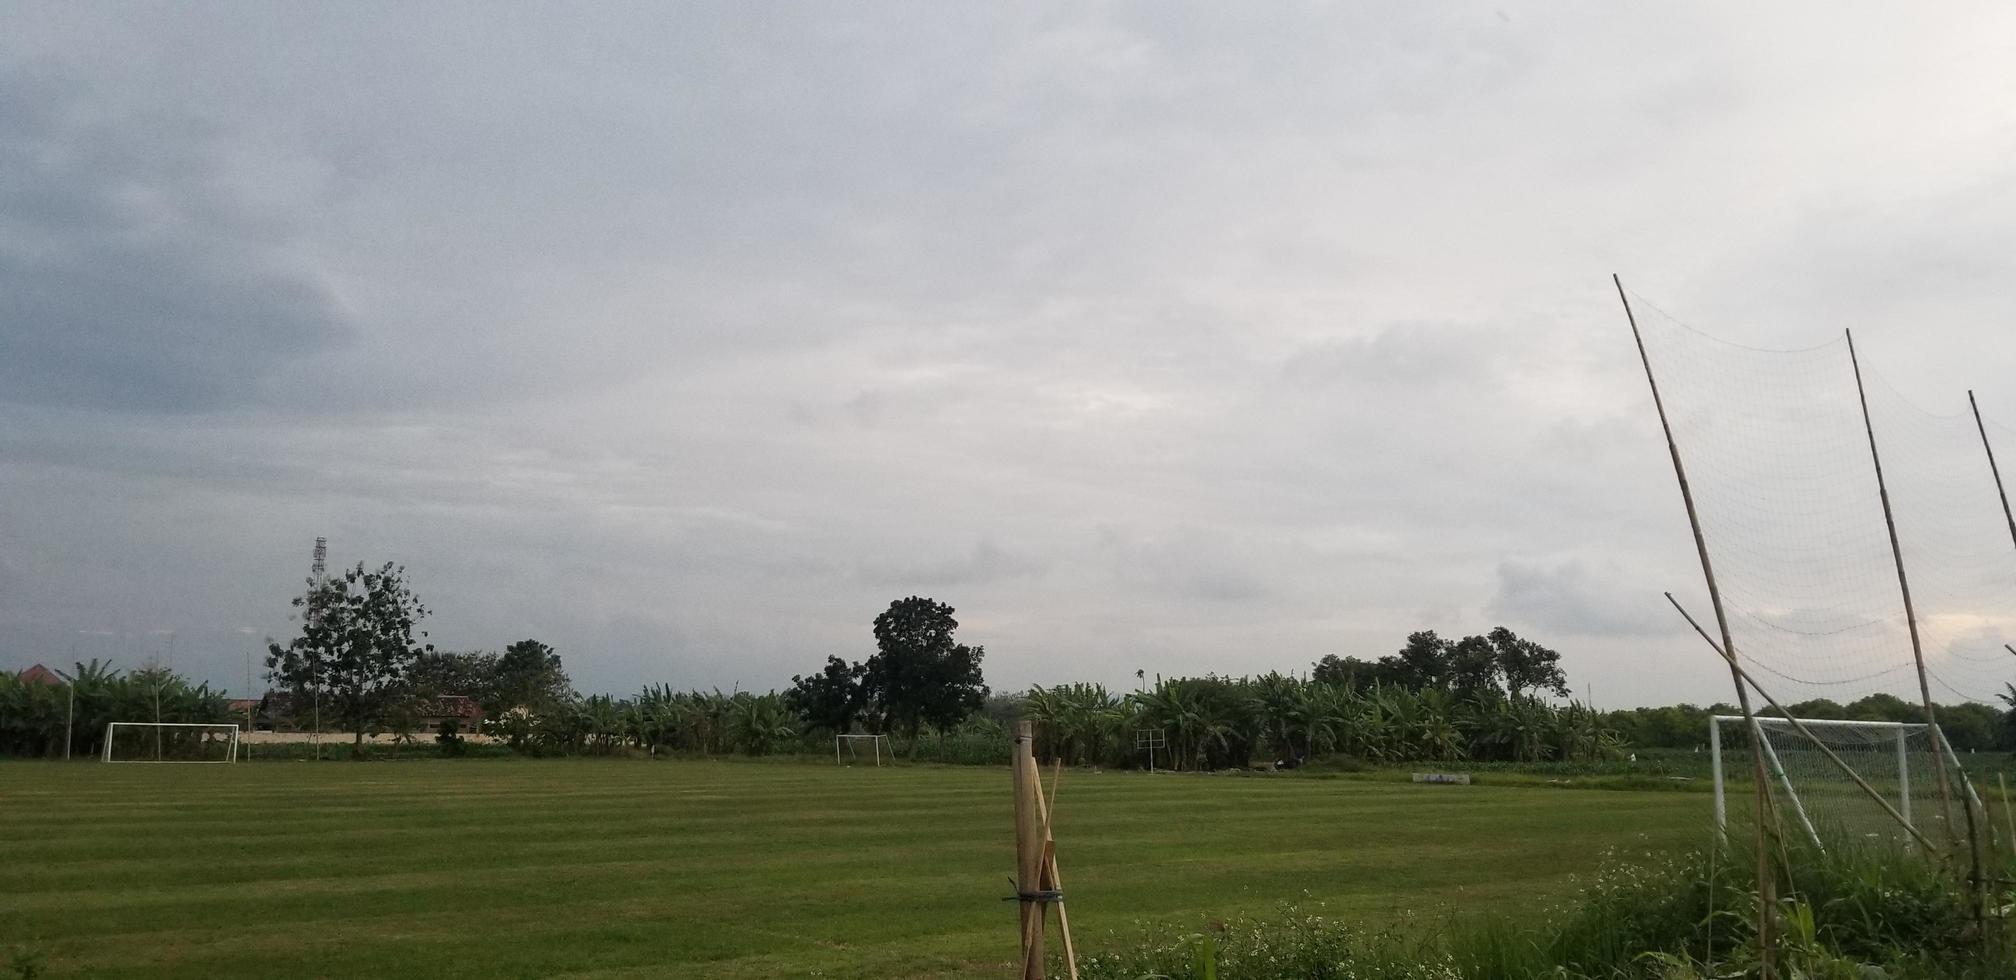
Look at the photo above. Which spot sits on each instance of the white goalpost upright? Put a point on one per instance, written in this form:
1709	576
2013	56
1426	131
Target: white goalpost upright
853	750
174	741
1899	760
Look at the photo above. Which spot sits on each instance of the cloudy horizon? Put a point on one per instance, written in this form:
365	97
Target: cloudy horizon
1175	338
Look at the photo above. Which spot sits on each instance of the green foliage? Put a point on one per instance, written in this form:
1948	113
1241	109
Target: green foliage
1221	722
32	715
920	674
448	735
471	674
1852	912
530	676
356	646
831	699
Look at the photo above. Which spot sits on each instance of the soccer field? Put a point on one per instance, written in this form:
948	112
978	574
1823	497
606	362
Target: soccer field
625	868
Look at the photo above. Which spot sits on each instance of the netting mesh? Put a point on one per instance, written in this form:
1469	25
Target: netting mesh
150	743
1897	761
1783	479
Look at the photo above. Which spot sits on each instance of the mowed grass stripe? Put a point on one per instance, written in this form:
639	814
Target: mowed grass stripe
626	868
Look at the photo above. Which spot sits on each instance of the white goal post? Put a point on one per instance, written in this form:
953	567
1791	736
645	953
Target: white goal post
853	750
1899	760
174	741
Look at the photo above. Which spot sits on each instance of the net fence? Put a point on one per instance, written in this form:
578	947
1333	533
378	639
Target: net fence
1783	478
166	743
1897	761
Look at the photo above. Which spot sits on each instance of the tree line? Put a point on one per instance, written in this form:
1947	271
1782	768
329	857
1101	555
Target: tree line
35	717
361	661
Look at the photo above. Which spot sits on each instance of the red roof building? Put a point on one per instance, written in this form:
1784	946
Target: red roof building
39	674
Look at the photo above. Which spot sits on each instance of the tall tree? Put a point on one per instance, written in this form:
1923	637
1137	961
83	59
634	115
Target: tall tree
356	645
1422	663
530	676
1473	667
830	699
920	673
1528	666
472	675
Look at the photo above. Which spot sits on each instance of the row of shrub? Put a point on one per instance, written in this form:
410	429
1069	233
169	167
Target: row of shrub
1221	722
36	718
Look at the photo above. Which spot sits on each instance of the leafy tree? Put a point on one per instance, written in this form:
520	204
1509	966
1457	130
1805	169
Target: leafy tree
1885	707
920	674
32	714
1526	665
1970	727
471	675
830	699
1349	672
530	676
1422	663
1815	708
1472	666
356	645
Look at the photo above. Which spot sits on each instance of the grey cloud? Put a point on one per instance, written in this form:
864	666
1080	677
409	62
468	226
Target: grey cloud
987	562
1184	563
129	278
684	338
1414	356
1573	596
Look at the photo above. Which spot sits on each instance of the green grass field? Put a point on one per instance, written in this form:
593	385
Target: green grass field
628	868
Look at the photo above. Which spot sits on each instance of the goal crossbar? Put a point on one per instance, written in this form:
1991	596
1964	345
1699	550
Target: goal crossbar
876	740
1893	739
231	743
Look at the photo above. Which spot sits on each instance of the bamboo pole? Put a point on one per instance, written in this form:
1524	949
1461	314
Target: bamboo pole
1800	726
2006	811
1051	879
1992	468
1903	586
1029	851
1766	882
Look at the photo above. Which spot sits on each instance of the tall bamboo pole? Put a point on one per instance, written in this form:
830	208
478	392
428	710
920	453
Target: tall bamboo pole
1903	586
1028	850
1051	879
1766	881
1992	468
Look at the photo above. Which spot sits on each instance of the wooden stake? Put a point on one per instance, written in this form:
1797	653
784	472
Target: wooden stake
1029	850
1904	586
1766	882
1050	877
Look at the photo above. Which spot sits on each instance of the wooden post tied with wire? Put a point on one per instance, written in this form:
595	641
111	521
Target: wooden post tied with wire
1037	885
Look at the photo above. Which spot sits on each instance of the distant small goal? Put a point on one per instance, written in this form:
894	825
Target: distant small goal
171	741
850	749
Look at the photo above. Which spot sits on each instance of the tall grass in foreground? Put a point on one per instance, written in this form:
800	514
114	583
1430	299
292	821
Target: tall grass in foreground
1861	910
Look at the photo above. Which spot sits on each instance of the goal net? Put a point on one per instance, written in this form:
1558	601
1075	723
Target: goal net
850	749
148	741
1816	798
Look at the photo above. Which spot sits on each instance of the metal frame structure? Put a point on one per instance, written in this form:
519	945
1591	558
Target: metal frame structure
1904	730
1150	739
878	740
231	748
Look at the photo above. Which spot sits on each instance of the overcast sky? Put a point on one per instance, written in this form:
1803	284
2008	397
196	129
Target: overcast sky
1181	337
